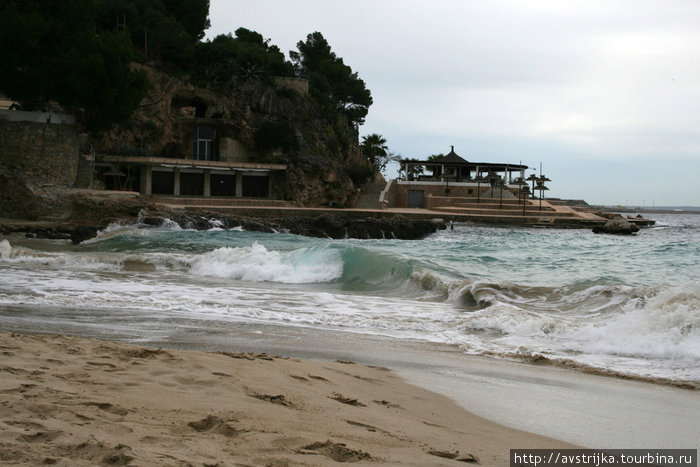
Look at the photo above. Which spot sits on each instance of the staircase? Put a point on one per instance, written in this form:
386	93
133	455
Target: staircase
369	199
512	210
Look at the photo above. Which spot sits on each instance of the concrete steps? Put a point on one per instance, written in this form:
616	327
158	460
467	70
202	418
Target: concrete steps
369	199
221	202
511	211
504	206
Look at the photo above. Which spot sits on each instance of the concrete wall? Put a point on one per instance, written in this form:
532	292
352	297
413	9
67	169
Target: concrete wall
232	150
399	195
37	117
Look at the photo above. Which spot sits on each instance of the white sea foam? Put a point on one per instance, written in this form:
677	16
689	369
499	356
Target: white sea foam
258	264
488	290
665	325
646	331
5	249
170	224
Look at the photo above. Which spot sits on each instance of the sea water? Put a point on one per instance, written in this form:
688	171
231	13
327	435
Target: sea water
619	304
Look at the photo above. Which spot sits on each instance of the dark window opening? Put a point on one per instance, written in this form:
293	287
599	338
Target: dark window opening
223	185
200	110
256	186
191	184
163	183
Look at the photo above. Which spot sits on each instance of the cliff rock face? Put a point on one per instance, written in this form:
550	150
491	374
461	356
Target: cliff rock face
254	122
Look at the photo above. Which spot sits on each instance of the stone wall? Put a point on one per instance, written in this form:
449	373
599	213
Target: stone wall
41	153
297	84
399	195
86	168
33	157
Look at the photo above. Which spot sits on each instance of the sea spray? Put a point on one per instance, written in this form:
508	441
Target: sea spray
5	249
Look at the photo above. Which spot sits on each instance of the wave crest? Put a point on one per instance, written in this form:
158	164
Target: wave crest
258	264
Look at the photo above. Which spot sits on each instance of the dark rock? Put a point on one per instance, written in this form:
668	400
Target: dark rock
617	226
82	233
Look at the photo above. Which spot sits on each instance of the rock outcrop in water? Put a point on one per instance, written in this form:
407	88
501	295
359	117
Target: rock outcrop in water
335	225
618	226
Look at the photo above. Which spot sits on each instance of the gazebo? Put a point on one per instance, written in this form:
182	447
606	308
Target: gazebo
457	169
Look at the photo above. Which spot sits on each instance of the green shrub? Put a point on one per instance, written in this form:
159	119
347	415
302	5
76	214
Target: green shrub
359	173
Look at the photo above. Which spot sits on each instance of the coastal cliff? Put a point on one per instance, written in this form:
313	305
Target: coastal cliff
44	161
255	121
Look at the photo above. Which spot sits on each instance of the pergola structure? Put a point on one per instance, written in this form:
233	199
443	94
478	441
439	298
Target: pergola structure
207	178
456	169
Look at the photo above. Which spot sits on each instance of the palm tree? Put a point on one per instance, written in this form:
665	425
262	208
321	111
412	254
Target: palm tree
415	169
436	169
376	151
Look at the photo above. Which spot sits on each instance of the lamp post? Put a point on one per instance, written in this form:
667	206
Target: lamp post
492	178
540	186
526	191
500	197
447	184
479	180
522	186
532	178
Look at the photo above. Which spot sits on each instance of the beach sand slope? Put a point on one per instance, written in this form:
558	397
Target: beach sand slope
74	401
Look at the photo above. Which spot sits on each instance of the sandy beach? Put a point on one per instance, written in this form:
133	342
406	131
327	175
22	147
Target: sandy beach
76	401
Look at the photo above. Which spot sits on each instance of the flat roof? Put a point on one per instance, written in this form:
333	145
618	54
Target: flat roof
190	163
467	164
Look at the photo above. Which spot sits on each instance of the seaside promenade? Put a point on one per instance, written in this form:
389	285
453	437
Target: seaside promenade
94	209
488	211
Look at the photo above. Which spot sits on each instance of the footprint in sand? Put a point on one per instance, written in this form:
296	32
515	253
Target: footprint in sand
318	378
40	436
213	424
387	404
335	451
346	400
98	453
107	407
277	399
468	458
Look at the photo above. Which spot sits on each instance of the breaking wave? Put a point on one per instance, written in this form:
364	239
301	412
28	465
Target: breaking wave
488	293
258	264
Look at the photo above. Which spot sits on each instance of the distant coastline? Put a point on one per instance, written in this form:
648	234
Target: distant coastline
654	210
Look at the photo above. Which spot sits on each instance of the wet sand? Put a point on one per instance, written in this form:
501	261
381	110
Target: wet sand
588	410
78	401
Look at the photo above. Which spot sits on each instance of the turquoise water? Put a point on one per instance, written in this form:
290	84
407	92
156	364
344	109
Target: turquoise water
627	304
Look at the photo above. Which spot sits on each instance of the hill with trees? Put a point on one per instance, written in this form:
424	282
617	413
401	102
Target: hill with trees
125	68
78	54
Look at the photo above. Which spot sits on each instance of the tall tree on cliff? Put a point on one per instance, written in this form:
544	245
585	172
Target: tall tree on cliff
78	53
246	57
46	57
162	30
331	81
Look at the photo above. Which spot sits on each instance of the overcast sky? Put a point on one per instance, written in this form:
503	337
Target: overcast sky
605	94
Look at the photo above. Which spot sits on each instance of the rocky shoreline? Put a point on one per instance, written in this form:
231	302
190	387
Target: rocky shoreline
85	216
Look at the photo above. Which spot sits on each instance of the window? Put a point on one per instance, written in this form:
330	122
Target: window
204	144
